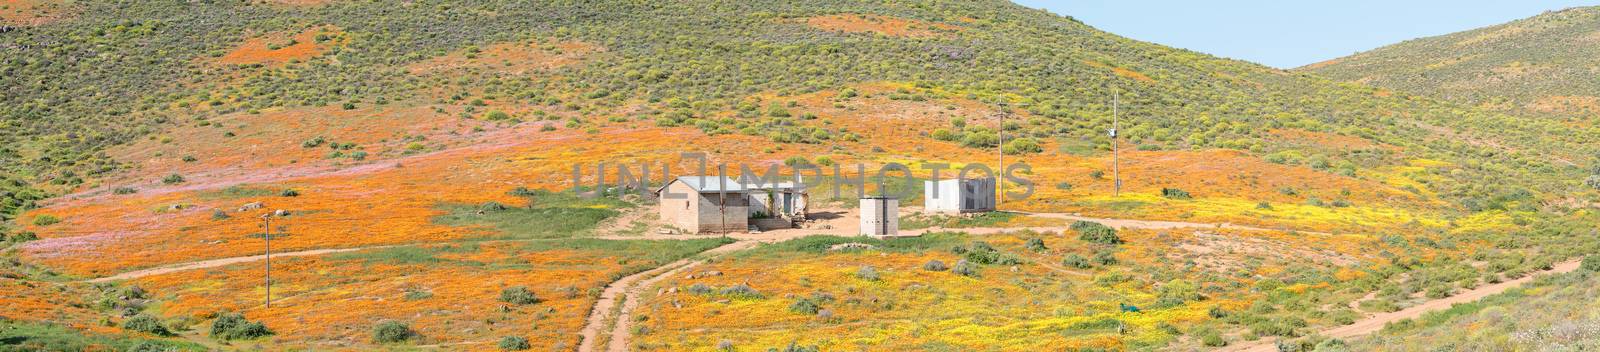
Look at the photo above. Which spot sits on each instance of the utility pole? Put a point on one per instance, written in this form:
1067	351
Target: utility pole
1116	177
1000	149
266	226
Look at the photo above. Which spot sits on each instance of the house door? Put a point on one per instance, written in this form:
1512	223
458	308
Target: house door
788	203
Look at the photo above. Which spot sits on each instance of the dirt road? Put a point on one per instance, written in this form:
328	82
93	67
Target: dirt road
1375	322
165	269
629	289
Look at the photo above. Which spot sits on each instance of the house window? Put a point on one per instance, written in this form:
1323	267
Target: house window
686	205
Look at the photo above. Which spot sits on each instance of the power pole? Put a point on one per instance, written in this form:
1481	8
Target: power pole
1000	197
266	226
1116	177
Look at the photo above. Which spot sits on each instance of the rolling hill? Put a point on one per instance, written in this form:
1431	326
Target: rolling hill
417	150
1544	65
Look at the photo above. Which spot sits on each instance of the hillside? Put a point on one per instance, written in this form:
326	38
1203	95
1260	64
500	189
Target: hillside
420	151
1546	64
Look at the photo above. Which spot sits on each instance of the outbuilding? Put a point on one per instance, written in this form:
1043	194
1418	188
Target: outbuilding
705	204
955	196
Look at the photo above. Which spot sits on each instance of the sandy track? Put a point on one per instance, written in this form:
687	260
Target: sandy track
166	269
629	289
1375	322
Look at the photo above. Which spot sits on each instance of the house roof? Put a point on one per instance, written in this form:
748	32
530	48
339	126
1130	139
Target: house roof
710	184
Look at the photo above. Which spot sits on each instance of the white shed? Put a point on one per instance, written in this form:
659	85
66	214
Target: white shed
956	196
880	216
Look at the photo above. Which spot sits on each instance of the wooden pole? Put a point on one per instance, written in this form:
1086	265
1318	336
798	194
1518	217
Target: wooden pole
266	224
1116	156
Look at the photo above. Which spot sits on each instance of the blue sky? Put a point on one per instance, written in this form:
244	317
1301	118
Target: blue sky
1291	33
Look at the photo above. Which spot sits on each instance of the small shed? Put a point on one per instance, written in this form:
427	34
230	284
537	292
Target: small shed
880	216
955	196
705	204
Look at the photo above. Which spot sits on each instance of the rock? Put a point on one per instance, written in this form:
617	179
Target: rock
251	206
851	246
280	212
710	273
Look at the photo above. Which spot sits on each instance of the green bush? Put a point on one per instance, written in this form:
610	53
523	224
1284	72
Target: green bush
965	268
519	295
867	273
390	331
514	343
46	220
1591	263
146	324
935	265
805	306
124	190
172	179
1075	261
1094	232
1022	146
1036	245
233	326
289	193
1174	193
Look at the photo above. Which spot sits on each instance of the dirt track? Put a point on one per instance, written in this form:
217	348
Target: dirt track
1375	322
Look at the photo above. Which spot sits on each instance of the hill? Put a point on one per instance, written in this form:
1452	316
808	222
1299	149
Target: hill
1543	65
417	150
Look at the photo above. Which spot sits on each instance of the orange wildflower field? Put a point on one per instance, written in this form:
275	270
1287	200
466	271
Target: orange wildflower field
448	294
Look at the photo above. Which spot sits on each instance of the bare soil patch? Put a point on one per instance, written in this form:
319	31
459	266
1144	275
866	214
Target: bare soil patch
29	13
280	48
885	25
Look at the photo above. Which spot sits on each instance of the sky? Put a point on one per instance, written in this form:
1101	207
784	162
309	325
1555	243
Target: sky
1292	33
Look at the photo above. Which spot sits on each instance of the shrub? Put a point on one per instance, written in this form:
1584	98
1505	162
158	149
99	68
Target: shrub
519	295
146	324
46	220
1591	263
172	179
124	190
965	268
1075	261
1210	338
867	273
1036	245
1174	193
233	326
390	331
1094	232
794	161
514	343
219	214
492	207
935	265
1097	174
313	142
699	289
1104	258
496	116
805	306
289	193
1022	146
741	291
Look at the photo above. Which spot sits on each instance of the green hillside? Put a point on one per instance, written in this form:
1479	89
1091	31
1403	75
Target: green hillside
114	72
1546	64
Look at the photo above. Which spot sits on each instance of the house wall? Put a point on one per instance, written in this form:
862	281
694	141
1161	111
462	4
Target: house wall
735	217
681	213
